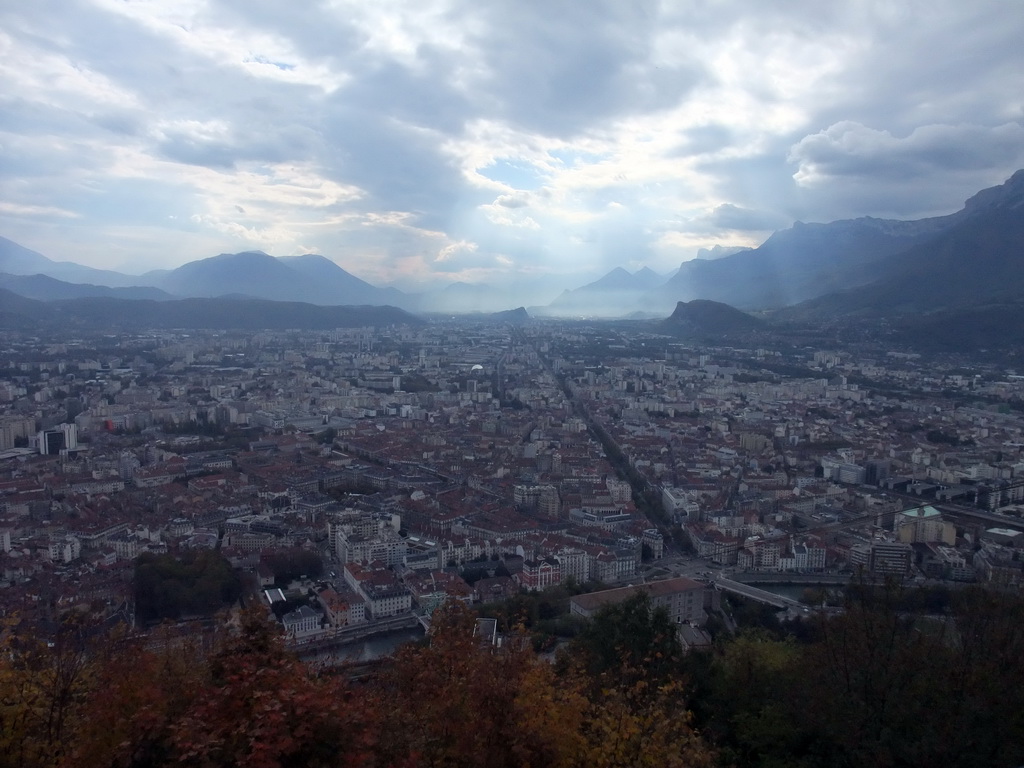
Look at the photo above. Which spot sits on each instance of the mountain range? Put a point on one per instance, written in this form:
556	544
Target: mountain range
93	313
46	288
616	294
976	259
18	260
808	272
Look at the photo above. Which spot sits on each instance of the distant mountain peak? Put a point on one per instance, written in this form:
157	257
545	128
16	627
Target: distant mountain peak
719	251
617	278
243	254
16	259
703	317
517	316
1009	194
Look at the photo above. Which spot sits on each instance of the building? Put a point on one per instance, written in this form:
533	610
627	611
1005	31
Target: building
807	557
342	608
15	429
653	539
999	564
885	558
384	594
302	622
760	554
387	546
923	525
679	504
942	562
682	598
62	438
539	574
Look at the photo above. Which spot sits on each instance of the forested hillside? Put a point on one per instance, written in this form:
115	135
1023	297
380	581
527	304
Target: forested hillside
893	680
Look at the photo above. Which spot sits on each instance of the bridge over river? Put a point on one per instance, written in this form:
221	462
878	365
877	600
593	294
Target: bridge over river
760	595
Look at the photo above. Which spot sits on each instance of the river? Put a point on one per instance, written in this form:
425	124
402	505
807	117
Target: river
368	649
796	591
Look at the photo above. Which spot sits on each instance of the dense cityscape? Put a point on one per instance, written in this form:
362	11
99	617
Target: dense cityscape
346	485
559	451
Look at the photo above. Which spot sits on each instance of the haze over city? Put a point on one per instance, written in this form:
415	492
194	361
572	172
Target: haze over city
503	384
422	144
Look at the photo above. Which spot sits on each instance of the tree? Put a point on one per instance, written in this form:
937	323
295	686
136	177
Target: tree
638	725
630	640
751	682
472	707
262	708
293	563
199	584
630	664
327	436
43	686
134	705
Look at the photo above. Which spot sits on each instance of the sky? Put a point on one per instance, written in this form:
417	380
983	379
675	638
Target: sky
516	143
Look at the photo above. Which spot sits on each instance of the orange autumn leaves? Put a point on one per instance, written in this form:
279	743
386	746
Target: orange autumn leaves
448	702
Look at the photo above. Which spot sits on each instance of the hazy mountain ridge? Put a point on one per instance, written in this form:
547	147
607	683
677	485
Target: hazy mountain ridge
616	294
46	288
19	313
719	252
517	316
977	262
798	263
16	259
341	284
460	298
243	314
968	255
987	327
309	278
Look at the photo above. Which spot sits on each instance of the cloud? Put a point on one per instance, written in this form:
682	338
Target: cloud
450	251
560	140
731	217
459	259
512	201
556	70
14	209
511	211
850	150
929	171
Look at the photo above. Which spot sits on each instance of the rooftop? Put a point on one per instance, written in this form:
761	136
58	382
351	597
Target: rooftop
921	512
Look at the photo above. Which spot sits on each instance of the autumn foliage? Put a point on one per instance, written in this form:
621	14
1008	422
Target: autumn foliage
875	686
450	701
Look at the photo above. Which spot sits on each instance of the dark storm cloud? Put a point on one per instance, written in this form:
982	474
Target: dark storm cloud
853	150
929	171
398	165
558	68
223	146
418	97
